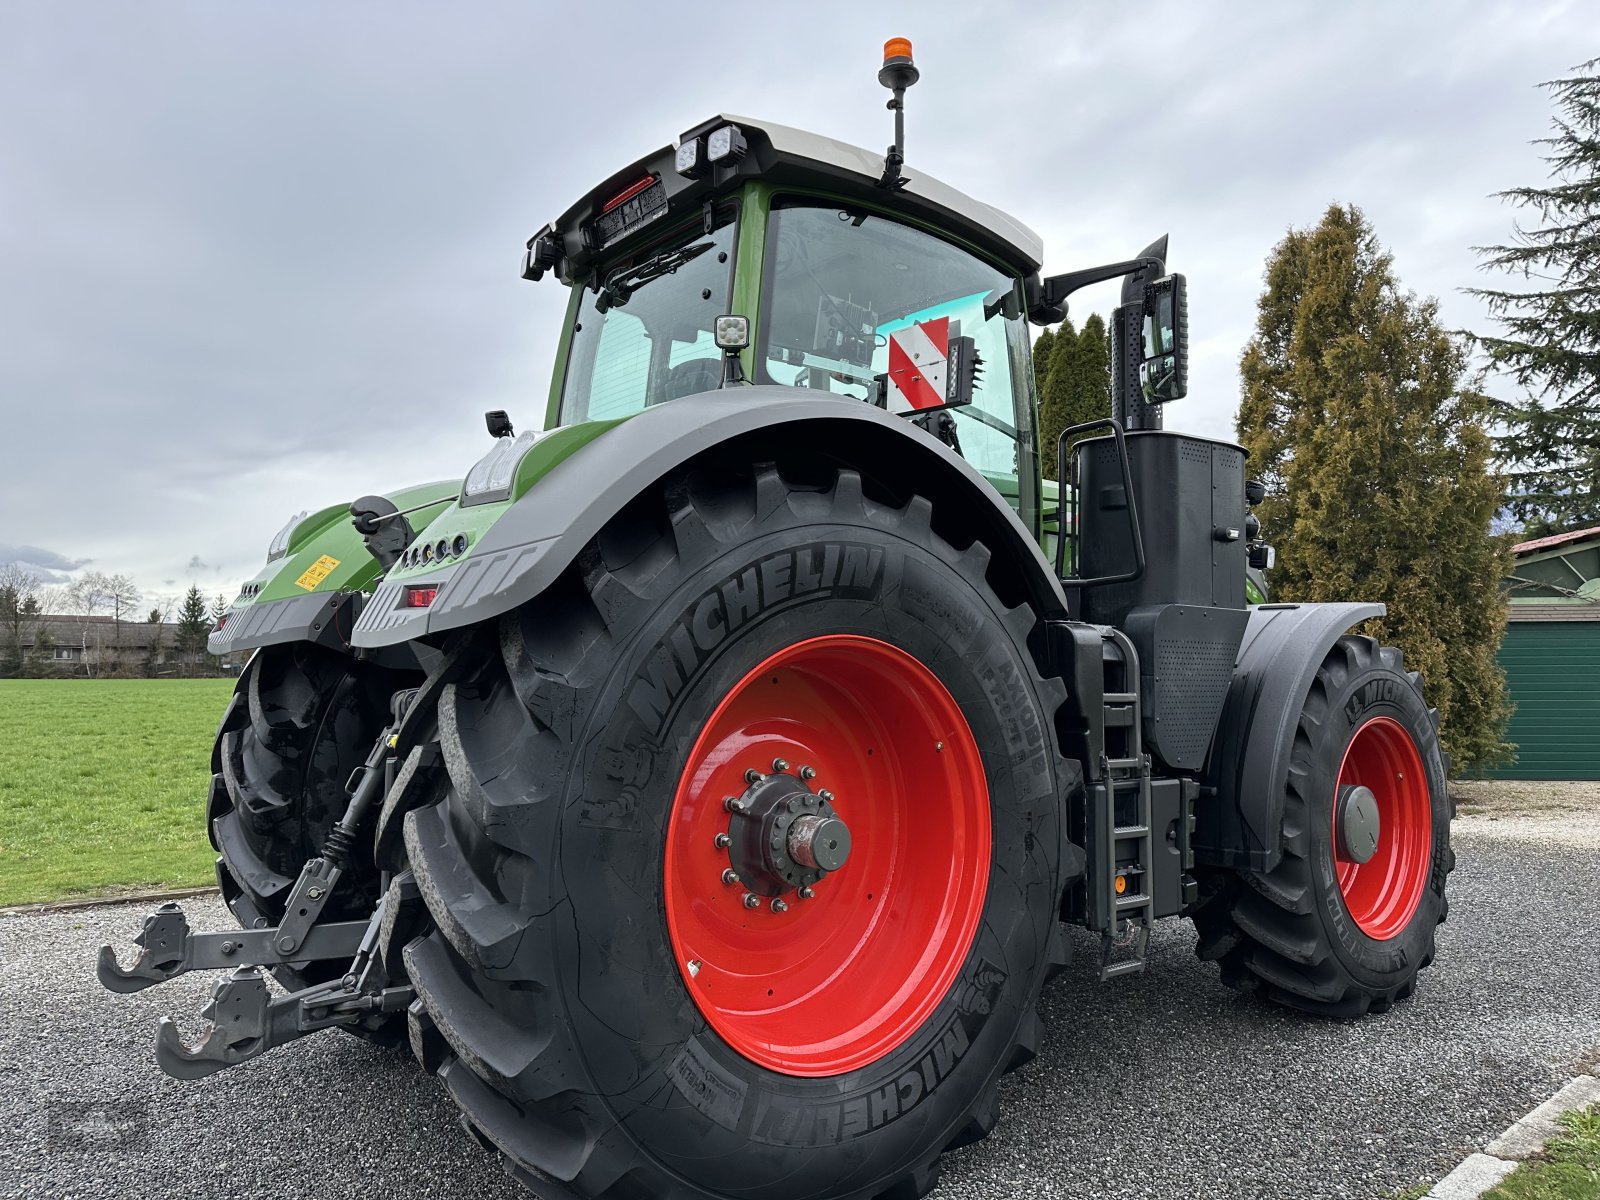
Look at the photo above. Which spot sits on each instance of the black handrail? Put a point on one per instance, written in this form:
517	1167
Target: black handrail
1077	506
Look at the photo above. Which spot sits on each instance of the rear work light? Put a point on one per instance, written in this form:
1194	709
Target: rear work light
420	595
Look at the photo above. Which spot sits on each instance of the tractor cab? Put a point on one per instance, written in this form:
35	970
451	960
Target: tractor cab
909	296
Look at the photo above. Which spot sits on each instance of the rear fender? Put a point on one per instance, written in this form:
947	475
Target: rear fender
539	533
312	590
1284	644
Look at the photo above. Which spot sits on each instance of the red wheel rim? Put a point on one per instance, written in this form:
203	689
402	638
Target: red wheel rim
1382	893
840	979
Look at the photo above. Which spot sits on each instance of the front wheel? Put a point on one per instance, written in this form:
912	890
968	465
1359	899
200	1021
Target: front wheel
1346	920
746	881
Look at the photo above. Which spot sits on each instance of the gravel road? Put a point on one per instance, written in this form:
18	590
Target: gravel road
1163	1084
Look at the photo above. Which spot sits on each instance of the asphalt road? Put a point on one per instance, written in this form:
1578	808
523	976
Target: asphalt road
1163	1084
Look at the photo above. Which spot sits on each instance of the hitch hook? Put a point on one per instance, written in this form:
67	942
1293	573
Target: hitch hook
163	953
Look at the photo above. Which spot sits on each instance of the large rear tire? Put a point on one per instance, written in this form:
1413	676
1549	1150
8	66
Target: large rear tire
1345	921
606	1009
301	719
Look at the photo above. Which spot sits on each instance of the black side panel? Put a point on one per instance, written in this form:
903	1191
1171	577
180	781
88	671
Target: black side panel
1186	656
1284	644
1190	494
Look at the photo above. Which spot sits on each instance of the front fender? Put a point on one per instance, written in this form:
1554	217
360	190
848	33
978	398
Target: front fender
538	534
309	592
1248	766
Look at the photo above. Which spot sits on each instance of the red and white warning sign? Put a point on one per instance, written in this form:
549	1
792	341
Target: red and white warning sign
919	361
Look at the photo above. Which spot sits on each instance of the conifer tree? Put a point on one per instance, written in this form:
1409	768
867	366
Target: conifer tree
193	628
1549	345
1041	359
1360	420
1092	393
1055	393
1079	389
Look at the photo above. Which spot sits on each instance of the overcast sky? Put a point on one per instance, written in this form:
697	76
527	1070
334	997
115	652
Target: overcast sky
258	257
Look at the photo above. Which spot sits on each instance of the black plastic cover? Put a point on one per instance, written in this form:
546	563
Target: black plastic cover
1190	497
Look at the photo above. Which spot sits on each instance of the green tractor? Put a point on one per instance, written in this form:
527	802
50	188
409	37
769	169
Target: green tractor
703	783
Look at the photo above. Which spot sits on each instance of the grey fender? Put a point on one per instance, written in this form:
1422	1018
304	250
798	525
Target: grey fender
1238	824
540	535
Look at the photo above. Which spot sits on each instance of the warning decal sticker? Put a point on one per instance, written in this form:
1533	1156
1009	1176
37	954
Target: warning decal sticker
316	573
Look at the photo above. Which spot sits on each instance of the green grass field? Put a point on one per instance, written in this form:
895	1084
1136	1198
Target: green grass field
103	784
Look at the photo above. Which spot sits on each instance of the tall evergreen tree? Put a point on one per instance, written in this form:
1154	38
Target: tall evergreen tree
1055	394
193	628
1359	419
1092	392
1079	389
1041	359
1549	346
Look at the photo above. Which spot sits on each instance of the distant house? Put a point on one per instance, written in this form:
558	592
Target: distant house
1551	657
100	646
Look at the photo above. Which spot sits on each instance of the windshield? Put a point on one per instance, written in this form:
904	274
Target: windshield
645	336
841	282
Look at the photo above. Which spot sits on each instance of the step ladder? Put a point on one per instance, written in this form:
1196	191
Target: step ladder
1120	901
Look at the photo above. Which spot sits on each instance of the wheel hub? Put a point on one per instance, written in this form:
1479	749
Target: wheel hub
820	978
782	836
1359	823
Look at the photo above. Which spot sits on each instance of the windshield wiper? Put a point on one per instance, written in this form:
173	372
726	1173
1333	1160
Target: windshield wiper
621	284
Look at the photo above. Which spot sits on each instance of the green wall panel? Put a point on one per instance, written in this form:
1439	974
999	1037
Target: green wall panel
1553	672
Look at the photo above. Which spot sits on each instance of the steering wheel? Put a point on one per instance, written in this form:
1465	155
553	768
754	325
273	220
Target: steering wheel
688	378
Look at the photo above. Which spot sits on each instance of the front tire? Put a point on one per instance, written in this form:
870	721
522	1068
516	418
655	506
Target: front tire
596	997
1346	920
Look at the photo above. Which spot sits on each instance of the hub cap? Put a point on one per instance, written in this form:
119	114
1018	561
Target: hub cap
828	855
1383	828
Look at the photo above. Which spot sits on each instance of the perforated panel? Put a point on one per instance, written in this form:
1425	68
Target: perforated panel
1186	657
1191	683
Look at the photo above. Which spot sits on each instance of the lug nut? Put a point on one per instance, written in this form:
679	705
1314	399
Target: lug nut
779	766
723	841
751	900
807	893
825	796
808	773
778	906
731	803
730	877
752	776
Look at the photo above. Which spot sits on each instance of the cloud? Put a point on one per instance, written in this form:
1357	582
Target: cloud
262	258
46	565
33	556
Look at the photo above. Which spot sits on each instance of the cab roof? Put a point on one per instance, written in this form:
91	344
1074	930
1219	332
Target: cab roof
781	154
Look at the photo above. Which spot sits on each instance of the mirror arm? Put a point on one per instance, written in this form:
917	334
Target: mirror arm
1050	303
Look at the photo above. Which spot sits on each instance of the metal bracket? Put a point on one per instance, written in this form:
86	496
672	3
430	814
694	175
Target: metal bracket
169	948
242	1020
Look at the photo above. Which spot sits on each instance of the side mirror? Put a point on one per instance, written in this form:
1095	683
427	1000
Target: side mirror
1164	367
